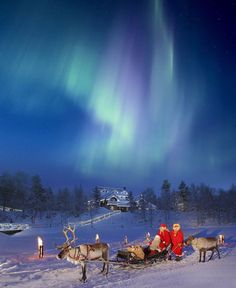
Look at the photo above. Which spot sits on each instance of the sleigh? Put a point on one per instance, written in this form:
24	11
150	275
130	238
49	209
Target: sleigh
129	256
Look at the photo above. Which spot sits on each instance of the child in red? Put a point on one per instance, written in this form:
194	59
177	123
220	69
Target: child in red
164	234
177	239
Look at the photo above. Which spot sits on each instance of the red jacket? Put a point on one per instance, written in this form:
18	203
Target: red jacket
177	239
165	238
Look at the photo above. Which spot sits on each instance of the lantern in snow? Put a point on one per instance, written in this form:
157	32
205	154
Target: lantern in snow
40	247
148	237
97	238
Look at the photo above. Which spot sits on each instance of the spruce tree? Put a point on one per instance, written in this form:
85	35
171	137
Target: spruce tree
166	199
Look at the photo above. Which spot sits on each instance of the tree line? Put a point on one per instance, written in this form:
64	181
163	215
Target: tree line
27	193
203	201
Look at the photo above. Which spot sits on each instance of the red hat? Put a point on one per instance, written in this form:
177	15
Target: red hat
163	226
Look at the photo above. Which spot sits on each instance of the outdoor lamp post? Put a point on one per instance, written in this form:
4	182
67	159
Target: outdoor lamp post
97	238
148	237
40	247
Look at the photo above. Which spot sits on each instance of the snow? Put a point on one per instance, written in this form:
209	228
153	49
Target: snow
12	227
96	219
21	267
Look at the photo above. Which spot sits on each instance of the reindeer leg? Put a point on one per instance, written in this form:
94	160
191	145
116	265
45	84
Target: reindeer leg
83	265
204	256
107	267
211	254
103	267
217	249
105	263
200	255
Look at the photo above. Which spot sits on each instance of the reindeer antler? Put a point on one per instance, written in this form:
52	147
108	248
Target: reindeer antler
69	229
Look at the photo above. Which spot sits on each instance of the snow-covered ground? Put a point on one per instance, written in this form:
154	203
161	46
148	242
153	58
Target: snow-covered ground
20	266
13	227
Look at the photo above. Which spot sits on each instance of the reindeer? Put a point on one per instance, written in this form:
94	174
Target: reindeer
203	245
83	253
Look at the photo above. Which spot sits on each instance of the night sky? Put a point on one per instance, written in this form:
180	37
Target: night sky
119	93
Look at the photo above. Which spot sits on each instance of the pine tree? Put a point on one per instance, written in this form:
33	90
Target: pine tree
22	189
183	197
132	202
149	196
37	198
7	190
232	203
79	201
166	200
96	197
64	200
50	202
143	207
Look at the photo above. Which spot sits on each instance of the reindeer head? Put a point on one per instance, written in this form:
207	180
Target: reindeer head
221	239
66	246
189	240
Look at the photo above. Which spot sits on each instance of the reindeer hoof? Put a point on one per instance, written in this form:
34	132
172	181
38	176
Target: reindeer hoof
83	280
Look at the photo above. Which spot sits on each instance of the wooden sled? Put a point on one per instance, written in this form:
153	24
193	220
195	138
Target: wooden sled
126	257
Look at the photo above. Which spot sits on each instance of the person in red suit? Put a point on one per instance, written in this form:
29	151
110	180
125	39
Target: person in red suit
177	239
164	234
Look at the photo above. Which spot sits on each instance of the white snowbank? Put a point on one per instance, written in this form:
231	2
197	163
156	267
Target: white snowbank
13	226
20	266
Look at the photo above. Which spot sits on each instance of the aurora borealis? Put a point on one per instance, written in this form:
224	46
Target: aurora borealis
124	93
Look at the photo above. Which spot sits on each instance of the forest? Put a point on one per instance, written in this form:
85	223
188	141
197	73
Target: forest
27	193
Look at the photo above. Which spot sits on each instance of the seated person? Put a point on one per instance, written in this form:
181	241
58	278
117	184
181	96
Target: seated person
153	247
164	234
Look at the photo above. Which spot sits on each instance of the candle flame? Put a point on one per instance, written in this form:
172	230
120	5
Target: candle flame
40	241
